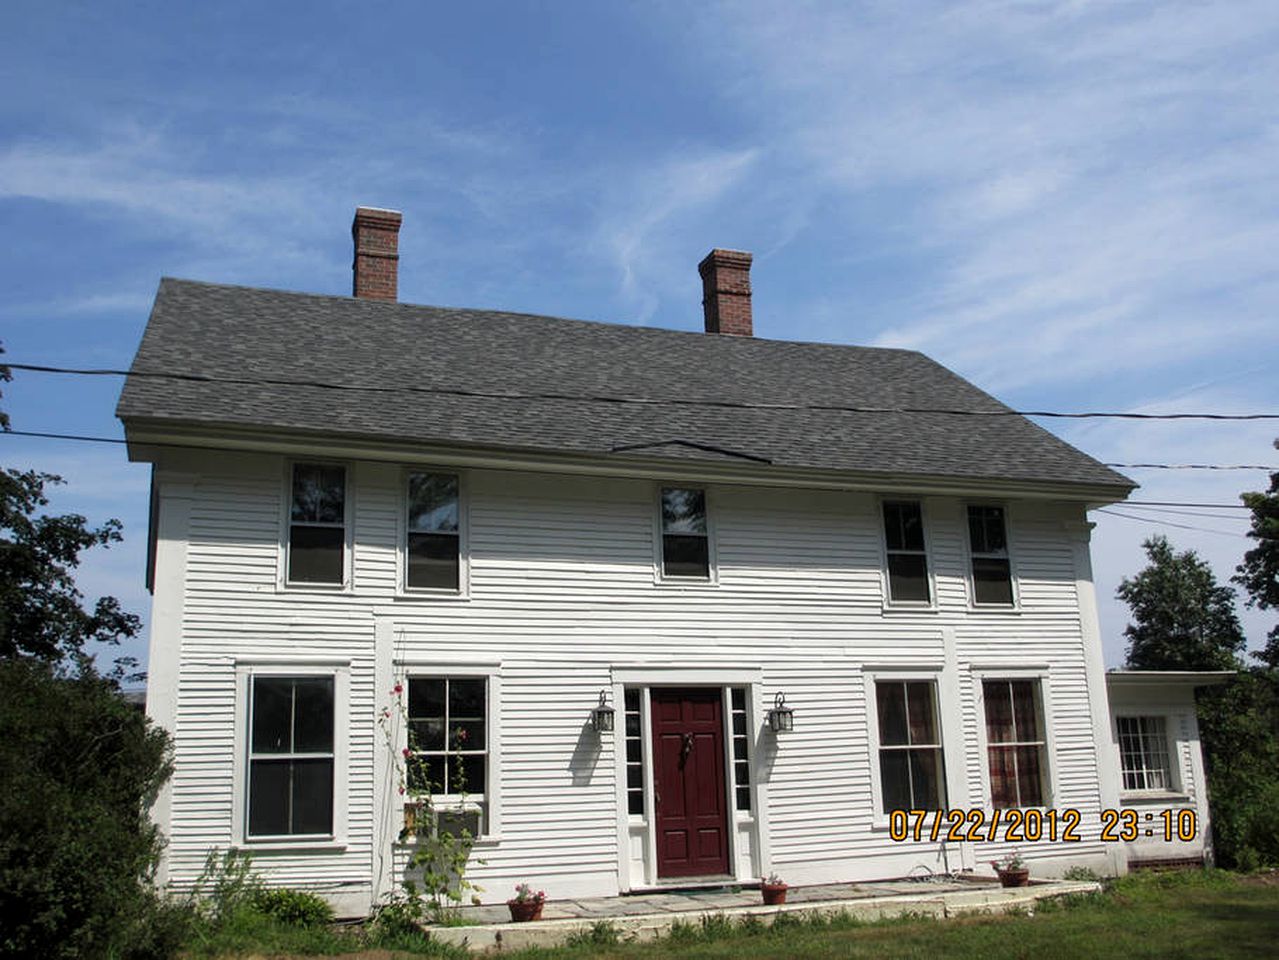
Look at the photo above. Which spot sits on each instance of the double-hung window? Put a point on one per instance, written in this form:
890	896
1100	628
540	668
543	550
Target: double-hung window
449	748
911	769
434	549
291	757
1143	753
988	547
686	550
317	524
1015	744
907	557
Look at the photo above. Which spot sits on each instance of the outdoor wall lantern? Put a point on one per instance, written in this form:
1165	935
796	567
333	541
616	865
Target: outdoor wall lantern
781	718
602	716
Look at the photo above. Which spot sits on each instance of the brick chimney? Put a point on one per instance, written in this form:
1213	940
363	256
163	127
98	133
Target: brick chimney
375	270
726	292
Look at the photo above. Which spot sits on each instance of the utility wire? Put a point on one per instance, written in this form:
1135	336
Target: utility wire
189	446
1192	466
1169	523
605	398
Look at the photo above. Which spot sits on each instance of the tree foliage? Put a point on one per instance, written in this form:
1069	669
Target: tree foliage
1258	575
41	611
80	767
1182	618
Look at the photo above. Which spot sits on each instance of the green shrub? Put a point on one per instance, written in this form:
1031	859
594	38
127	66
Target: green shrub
80	767
297	908
602	933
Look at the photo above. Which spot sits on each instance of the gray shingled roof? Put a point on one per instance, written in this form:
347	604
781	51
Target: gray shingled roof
245	333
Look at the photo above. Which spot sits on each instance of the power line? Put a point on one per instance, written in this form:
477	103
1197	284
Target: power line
1179	503
1192	466
605	398
1169	523
186	446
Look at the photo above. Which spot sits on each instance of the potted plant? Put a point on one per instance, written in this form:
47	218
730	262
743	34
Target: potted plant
1012	870
526	905
774	889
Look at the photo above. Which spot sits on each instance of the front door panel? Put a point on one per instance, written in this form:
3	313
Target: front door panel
688	781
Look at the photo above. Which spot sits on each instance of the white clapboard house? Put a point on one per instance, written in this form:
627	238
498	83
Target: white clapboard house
515	516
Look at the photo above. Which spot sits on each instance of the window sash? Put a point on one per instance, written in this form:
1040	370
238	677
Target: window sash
433	532
685	533
906	552
1143	753
991	566
307	805
427	759
1016	747
912	768
312	556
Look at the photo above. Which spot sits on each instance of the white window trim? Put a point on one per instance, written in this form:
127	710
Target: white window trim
870	676
1041	674
348	518
245	671
407	669
1171	718
970	586
913	606
659	576
402	588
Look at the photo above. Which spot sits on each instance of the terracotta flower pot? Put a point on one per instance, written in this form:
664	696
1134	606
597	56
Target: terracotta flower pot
774	893
1014	878
522	911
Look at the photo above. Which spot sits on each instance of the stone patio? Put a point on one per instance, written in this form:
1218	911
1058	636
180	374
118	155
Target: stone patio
646	916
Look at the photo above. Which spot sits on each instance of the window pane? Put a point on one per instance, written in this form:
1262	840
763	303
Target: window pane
427	734
1024	712
313	715
739	748
743	798
685	557
992	582
427	773
315	554
319	493
891	701
635	802
433	503
312	796
466	774
904	526
466	699
986	529
683	511
1003	778
922	722
466	735
908	576
632	725
1029	782
999	711
894	779
272	715
925	774
633	750
631	698
433	561
268	798
426	698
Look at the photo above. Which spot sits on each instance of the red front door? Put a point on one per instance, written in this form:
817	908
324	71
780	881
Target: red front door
688	781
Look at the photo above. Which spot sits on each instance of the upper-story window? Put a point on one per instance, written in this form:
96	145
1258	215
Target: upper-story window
434	549
686	549
317	524
988	546
907	557
1143	753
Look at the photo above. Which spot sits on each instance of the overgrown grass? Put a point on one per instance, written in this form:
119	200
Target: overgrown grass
1192	915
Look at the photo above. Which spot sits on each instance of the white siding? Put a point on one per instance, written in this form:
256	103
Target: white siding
562	590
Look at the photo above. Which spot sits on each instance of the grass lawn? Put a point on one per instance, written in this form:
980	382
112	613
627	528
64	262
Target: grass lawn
1193	915
1172	915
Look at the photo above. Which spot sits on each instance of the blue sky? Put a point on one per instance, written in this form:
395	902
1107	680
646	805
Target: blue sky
1074	204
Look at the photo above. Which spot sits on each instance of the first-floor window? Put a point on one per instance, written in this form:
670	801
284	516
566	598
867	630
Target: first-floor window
634	753
1015	743
911	771
1143	753
741	755
291	756
448	746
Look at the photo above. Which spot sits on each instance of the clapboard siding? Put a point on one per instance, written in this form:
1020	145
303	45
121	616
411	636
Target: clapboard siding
561	590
